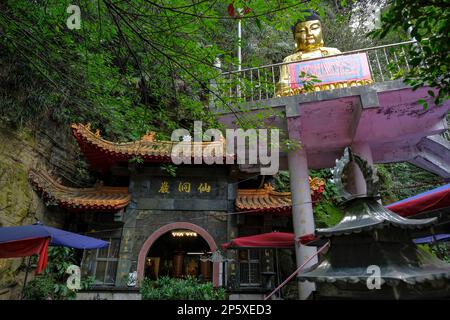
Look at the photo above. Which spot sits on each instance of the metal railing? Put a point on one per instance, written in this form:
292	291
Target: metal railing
386	62
297	271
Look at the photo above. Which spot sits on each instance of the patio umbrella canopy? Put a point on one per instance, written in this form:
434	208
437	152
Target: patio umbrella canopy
265	240
57	237
432	239
431	200
25	241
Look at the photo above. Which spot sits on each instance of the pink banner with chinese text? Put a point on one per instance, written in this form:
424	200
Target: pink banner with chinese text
334	69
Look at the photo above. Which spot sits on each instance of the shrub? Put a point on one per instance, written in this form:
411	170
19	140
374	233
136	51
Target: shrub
189	288
40	288
52	284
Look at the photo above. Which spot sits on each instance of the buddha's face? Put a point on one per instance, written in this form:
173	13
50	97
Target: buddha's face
308	35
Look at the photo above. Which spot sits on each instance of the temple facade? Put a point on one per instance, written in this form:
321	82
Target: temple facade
164	224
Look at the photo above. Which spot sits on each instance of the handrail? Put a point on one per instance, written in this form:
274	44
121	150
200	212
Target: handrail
339	54
261	82
296	271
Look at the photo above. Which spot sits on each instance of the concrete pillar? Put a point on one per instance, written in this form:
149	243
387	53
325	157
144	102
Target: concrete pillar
363	150
302	213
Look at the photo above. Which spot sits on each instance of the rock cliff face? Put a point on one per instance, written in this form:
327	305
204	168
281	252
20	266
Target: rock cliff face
52	148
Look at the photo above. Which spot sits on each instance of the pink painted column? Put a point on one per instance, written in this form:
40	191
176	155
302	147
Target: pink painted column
363	150
302	210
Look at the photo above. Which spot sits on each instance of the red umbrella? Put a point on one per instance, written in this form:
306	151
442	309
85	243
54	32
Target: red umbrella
22	241
265	240
431	200
27	247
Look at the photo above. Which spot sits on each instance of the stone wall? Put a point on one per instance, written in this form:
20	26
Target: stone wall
50	148
149	221
153	207
109	295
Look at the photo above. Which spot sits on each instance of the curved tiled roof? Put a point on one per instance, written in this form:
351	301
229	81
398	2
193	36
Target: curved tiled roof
269	200
364	214
398	263
263	200
97	198
102	153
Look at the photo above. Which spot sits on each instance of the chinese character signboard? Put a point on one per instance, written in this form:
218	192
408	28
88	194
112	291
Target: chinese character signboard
183	192
187	188
346	68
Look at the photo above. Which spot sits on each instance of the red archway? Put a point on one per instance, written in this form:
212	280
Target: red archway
172	226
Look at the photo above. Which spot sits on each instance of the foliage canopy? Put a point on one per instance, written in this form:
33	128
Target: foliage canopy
133	67
428	22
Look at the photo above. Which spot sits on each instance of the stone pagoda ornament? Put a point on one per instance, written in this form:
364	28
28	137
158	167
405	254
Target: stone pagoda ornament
372	254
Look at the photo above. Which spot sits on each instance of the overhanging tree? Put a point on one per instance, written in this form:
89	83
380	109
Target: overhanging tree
134	66
428	22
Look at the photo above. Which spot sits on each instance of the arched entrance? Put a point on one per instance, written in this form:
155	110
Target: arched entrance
162	236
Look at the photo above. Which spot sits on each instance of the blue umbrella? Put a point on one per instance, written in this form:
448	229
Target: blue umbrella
431	239
59	238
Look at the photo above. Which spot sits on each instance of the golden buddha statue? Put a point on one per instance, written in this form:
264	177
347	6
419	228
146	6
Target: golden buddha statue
308	45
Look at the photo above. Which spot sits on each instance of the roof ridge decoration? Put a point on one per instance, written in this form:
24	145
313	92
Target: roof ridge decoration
266	199
267	189
364	212
342	176
96	198
102	153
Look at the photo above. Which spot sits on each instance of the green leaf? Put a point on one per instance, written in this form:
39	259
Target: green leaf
258	23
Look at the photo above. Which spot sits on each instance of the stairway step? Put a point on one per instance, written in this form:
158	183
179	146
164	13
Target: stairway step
434	155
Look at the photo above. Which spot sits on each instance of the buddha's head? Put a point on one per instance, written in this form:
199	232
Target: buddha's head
308	32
